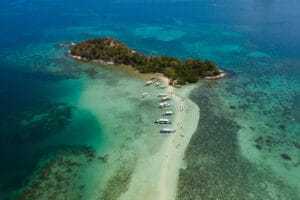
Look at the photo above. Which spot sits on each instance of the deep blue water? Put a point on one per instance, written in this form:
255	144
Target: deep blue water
256	41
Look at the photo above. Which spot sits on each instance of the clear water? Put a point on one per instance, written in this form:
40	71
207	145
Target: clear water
247	142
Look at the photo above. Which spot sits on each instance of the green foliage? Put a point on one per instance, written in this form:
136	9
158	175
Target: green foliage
108	49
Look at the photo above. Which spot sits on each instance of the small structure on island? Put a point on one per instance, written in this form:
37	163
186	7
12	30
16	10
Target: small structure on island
162	95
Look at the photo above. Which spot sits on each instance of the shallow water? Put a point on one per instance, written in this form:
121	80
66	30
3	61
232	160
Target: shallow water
253	114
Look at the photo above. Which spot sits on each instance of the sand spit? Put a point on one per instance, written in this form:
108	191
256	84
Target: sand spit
156	176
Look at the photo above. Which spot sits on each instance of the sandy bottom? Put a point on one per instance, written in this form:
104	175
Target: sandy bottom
117	151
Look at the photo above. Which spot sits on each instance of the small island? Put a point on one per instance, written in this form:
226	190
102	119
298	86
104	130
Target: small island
112	51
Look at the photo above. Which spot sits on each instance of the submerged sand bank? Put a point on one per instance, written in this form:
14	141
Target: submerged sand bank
148	160
156	176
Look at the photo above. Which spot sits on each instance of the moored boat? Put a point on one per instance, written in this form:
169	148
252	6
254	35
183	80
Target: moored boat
167	130
165	98
144	94
68	44
164	105
148	83
162	95
168	113
163	121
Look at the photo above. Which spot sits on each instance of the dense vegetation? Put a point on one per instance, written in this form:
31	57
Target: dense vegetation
111	50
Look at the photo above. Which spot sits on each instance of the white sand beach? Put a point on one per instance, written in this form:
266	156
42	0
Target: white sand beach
156	177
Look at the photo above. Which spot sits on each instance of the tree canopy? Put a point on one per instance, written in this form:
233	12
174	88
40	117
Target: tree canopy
111	50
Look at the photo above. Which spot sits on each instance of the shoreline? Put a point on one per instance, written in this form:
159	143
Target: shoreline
186	124
159	173
79	58
221	75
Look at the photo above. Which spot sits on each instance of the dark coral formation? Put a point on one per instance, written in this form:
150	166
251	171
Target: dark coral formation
215	167
285	156
38	122
57	174
118	184
104	158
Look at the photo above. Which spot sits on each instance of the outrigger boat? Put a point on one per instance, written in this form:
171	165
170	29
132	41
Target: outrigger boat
164	105
168	113
144	94
148	83
165	98
167	130
163	121
162	95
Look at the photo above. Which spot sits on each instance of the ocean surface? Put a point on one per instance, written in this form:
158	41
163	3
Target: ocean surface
72	130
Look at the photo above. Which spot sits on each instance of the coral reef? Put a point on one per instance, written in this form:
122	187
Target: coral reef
37	122
58	174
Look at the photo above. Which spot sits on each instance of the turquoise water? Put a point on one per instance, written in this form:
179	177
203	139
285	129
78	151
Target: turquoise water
55	111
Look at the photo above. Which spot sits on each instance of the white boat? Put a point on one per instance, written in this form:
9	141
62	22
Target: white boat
164	105
163	121
148	83
168	113
165	98
72	44
68	44
161	87
167	130
177	86
144	94
162	95
157	84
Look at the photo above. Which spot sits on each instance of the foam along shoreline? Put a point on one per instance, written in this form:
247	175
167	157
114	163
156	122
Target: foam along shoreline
221	75
156	176
108	62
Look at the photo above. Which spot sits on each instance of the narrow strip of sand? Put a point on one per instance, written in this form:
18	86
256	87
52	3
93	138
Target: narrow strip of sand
156	176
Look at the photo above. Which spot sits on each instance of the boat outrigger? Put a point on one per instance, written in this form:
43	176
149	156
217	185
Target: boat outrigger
164	105
167	130
168	113
161	87
163	121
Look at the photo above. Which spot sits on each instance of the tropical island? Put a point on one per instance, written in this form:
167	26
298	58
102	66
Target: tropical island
112	51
